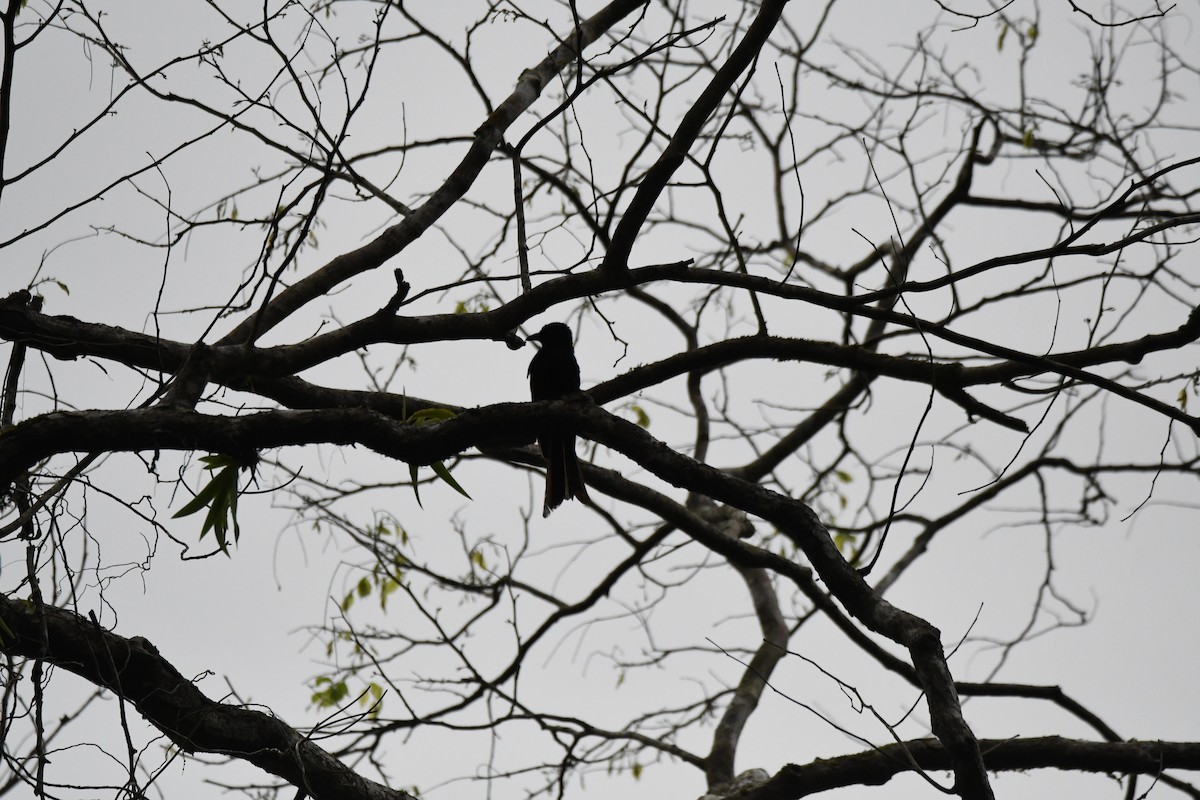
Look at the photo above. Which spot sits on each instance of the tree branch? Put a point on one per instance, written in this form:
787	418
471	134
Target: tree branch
1054	752
134	670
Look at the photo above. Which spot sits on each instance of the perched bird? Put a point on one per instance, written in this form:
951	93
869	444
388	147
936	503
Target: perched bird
553	375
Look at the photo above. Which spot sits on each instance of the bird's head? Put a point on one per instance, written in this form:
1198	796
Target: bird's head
554	334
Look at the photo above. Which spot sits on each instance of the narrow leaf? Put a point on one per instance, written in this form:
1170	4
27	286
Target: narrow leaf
202	499
427	416
412	473
440	469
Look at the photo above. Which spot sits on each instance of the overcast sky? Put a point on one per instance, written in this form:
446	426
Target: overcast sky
243	622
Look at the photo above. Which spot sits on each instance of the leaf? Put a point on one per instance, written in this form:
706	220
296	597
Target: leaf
1033	33
1183	399
637	771
440	470
202	499
218	460
364	587
640	416
220	495
331	695
478	560
428	416
385	589
843	476
1003	33
372	697
1028	139
842	541
412	474
64	287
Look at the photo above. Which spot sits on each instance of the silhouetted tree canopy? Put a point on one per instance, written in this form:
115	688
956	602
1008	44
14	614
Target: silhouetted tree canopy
886	318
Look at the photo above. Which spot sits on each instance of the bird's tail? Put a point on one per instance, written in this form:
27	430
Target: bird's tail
564	479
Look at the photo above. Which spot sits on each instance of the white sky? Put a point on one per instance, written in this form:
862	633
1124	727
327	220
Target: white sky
244	619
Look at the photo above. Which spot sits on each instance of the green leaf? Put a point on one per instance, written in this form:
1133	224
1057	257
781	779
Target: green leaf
372	697
386	588
1033	33
202	499
412	474
843	542
640	416
220	496
843	476
1183	399
218	460
364	587
440	470
428	416
478	560
637	771
331	695
1003	33
1028	140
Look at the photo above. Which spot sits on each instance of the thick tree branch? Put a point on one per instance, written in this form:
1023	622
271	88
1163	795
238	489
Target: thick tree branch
675	153
31	441
249	368
1000	755
134	670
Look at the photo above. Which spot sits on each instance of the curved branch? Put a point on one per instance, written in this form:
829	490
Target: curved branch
134	670
1048	752
38	438
68	337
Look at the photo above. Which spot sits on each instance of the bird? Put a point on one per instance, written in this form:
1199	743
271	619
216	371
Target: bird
554	375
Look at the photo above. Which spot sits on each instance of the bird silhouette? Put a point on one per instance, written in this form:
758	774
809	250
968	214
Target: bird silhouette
554	375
